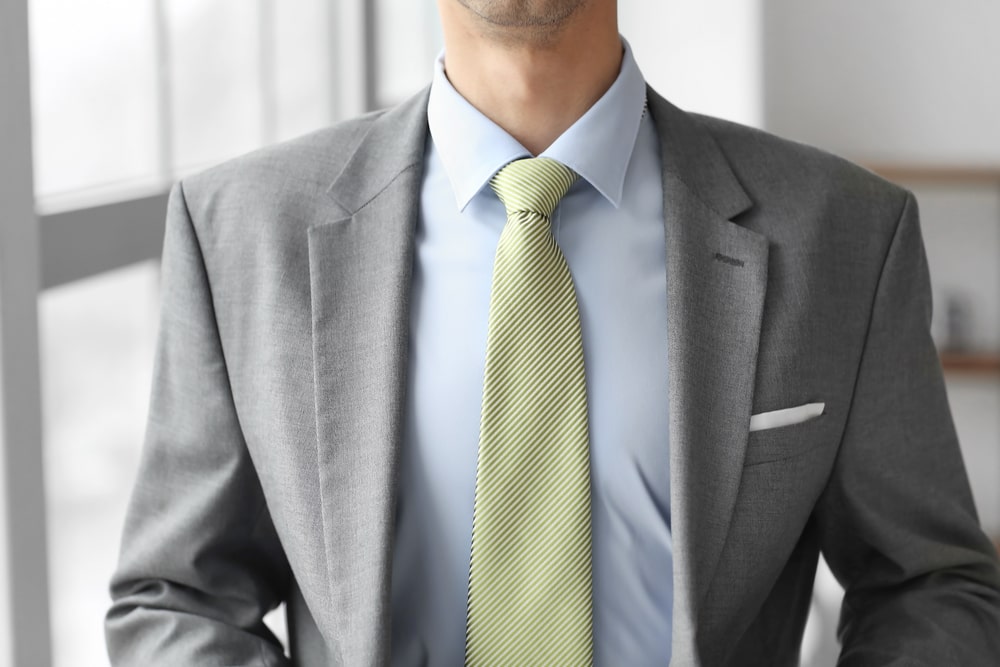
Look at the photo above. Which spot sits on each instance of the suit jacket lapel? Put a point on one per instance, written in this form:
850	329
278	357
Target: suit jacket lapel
716	280
360	268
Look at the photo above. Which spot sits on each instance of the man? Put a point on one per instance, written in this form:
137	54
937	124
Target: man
639	382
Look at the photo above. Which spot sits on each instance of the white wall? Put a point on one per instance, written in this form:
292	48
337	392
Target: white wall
703	56
890	80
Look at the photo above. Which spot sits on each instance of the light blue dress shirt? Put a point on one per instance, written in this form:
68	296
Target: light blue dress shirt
610	228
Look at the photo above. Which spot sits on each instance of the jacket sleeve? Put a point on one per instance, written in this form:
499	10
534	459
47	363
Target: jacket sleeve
200	562
897	522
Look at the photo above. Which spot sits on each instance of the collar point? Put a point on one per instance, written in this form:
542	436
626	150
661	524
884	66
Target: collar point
615	196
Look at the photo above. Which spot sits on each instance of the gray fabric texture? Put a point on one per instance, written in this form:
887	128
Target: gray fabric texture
269	465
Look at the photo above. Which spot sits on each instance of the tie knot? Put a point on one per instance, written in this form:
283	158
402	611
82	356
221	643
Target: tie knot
534	185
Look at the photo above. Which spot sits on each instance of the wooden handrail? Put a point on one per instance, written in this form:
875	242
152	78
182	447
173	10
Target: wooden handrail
971	363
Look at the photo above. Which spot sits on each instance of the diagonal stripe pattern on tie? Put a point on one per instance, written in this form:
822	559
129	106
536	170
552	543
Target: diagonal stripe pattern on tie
530	590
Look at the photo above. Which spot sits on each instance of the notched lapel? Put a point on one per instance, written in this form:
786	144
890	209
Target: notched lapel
716	282
360	268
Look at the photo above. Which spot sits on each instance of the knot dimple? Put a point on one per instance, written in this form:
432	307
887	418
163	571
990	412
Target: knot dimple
533	185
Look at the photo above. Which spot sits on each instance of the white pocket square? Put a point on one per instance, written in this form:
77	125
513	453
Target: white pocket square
786	417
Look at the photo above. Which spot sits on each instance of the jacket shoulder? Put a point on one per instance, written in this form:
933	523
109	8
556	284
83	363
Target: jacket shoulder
791	184
305	165
762	160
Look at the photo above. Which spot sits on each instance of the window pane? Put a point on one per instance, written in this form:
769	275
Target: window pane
99	111
215	78
303	66
93	93
408	37
96	347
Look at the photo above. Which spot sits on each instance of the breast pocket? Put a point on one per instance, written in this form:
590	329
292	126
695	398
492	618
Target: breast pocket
784	442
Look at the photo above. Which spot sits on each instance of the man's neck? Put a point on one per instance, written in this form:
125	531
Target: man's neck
536	81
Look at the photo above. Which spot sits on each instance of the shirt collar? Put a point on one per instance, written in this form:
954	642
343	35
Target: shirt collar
598	146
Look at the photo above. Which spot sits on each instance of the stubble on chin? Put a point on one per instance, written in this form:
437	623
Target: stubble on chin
514	22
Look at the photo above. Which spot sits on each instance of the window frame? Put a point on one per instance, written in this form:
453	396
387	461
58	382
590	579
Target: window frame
41	250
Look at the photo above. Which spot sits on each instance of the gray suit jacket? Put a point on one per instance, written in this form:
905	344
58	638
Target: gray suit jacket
270	463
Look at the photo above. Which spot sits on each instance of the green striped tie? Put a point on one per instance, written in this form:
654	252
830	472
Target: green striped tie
530	600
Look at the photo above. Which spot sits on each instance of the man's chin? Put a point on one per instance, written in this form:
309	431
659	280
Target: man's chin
524	14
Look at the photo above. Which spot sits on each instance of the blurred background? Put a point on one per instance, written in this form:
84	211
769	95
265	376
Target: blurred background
105	103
